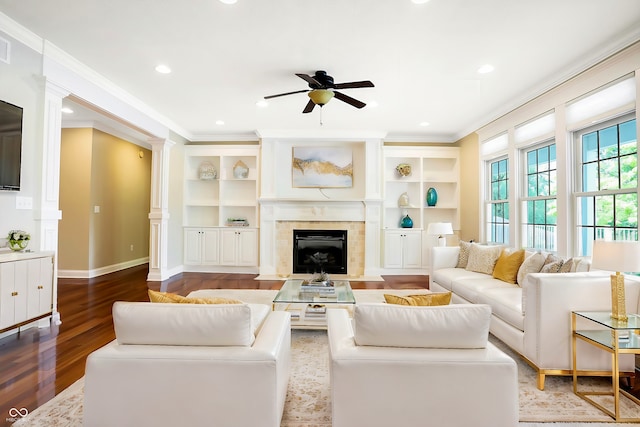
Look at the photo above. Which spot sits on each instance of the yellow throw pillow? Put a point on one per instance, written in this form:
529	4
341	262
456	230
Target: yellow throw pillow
507	266
155	296
441	298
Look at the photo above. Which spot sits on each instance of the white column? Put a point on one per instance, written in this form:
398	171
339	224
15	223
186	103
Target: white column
48	213
159	215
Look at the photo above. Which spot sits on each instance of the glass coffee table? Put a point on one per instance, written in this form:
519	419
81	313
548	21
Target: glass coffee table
308	308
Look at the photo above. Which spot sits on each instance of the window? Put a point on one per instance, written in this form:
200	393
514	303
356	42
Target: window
498	206
539	201
607	188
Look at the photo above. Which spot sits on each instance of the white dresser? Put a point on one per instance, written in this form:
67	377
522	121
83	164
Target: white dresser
26	288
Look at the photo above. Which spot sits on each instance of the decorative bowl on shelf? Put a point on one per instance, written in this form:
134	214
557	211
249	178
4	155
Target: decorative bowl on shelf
404	169
240	170
207	171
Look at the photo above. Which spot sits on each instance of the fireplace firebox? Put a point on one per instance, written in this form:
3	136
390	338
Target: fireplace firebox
316	251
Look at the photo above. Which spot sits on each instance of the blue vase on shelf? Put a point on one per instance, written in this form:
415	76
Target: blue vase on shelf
432	196
406	222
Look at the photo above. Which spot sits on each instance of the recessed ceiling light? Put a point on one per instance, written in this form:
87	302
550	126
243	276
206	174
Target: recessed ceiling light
486	68
262	103
424	124
228	1
219	122
67	110
419	1
163	69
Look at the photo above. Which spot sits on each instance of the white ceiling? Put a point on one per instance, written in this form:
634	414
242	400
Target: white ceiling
422	58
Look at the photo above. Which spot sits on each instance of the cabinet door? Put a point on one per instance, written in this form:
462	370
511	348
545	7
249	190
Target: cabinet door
40	287
393	243
192	246
247	248
412	250
13	293
228	246
210	246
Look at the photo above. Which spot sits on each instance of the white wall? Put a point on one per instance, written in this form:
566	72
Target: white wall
21	85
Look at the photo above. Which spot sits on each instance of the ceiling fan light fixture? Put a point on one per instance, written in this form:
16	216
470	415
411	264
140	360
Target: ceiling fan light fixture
320	96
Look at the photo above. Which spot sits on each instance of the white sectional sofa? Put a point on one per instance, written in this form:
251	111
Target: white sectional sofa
534	317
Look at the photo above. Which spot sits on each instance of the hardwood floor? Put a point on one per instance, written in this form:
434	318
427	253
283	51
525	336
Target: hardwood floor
37	364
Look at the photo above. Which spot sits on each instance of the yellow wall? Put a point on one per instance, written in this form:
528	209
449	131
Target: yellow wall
114	177
75	189
469	187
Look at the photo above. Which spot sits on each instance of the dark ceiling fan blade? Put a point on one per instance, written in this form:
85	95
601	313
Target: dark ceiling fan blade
349	100
353	85
309	107
287	93
312	82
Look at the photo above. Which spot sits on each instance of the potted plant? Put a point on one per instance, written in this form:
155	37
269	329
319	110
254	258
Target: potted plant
18	240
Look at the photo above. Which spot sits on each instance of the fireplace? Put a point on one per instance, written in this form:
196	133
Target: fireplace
320	250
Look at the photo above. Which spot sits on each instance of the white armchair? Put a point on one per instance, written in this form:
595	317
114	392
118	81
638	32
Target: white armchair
418	366
191	365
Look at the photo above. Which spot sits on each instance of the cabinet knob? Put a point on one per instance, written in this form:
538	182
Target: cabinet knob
14	294
40	287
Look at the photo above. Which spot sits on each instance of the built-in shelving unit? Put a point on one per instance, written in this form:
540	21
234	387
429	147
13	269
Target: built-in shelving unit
431	167
211	203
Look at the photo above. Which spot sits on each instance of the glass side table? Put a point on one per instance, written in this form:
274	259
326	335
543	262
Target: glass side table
615	337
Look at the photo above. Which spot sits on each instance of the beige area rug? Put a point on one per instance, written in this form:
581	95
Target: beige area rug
308	401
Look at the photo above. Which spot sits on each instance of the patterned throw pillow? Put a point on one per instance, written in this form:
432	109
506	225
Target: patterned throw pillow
567	266
463	256
482	259
439	298
553	267
507	266
531	264
167	297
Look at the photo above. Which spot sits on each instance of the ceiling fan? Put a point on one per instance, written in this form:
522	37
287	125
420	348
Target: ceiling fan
323	89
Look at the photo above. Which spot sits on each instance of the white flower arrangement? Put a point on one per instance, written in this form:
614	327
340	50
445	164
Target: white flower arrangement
18	236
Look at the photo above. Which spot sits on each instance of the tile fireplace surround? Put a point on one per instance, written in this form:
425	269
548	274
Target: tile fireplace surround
278	220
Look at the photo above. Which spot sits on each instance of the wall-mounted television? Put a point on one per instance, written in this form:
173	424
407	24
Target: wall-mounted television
10	146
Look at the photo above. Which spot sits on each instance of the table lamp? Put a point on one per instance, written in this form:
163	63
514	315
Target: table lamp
440	229
619	256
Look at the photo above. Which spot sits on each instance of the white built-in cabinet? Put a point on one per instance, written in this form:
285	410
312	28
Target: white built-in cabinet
211	202
26	288
239	247
403	248
431	167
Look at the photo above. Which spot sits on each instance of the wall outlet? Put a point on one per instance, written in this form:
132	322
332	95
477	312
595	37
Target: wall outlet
131	248
96	209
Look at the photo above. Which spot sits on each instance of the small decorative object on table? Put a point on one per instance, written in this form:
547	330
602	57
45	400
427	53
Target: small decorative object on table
404	169
319	282
432	197
18	240
240	170
207	171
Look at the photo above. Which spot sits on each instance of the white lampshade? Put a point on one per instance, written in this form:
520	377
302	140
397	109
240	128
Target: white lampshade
619	256
440	229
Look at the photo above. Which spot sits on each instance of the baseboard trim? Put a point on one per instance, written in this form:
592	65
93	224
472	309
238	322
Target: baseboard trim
89	274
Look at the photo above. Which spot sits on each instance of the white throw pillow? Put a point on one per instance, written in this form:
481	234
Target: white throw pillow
531	264
482	259
146	323
445	326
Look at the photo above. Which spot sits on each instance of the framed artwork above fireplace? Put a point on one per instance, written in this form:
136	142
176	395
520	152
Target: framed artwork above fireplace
322	167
